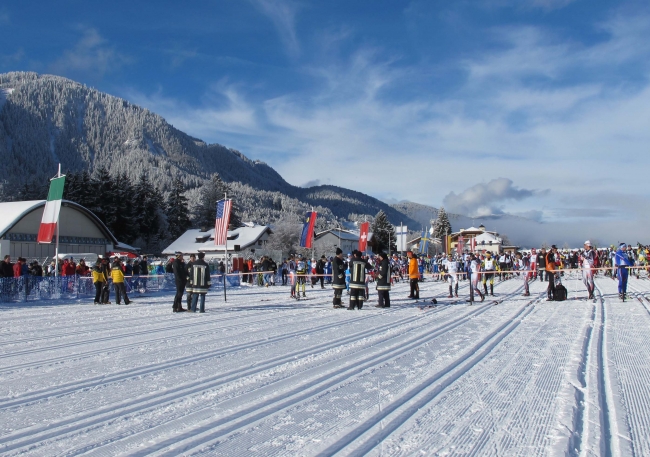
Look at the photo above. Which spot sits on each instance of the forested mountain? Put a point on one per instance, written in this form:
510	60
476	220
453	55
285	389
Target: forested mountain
46	120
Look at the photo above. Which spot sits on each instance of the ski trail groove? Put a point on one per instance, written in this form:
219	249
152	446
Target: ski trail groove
131	373
239	417
28	437
87	354
216	429
609	436
417	397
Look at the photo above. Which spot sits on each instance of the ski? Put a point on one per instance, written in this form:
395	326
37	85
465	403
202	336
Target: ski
426	307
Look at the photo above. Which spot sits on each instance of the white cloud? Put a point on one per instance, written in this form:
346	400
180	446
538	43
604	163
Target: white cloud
559	133
283	15
92	55
485	199
224	112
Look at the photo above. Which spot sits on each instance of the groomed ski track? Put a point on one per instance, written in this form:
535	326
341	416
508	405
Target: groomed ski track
266	375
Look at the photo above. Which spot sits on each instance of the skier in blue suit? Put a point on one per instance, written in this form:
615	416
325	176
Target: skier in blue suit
622	261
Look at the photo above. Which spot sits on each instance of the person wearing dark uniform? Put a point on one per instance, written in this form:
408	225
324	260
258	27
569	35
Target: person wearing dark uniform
383	281
338	277
198	277
358	268
189	292
180	278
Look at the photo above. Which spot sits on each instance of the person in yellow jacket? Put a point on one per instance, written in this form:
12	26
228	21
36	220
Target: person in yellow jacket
117	275
100	279
414	275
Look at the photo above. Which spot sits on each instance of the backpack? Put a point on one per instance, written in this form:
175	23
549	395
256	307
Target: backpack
560	293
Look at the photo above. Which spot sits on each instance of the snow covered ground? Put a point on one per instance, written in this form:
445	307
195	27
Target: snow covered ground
265	375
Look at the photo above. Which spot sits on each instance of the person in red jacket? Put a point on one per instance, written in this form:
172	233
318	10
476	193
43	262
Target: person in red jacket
18	267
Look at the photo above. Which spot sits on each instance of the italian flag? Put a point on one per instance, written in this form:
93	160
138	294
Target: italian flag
51	211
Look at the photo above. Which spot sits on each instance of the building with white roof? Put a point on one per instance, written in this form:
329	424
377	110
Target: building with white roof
479	238
80	231
249	238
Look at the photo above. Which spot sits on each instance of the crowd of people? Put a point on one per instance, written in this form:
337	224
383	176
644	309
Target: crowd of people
354	272
66	267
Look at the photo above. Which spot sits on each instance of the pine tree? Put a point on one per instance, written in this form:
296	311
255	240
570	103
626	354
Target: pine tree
383	231
178	216
123	218
105	206
441	226
211	193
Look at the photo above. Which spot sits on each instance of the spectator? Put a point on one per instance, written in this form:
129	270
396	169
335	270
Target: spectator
117	275
7	268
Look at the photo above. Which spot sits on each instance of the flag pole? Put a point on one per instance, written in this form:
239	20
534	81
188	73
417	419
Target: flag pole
225	260
56	247
313	249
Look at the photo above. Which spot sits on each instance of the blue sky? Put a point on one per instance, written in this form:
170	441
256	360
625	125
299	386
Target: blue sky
539	108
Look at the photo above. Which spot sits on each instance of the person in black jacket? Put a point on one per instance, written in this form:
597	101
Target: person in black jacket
383	281
320	271
358	268
7	268
338	277
541	264
198	277
180	278
189	292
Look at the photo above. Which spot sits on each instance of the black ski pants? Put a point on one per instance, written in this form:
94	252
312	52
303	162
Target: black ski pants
178	298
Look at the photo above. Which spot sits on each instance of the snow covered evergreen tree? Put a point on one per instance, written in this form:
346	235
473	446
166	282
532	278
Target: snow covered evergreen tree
383	231
442	226
211	193
178	215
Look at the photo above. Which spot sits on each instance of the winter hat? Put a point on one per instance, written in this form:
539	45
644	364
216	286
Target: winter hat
622	246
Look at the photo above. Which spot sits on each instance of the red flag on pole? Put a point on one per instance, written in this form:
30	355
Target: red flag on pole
459	245
363	236
308	229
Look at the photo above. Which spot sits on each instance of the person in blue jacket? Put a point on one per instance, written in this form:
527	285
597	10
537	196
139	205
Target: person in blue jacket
622	262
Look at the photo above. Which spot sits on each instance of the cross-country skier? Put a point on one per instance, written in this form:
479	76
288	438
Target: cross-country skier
522	264
475	268
588	260
489	269
291	265
301	272
451	267
623	261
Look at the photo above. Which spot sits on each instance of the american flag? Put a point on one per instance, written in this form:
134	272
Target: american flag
221	224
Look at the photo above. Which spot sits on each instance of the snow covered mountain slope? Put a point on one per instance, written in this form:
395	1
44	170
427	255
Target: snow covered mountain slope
49	119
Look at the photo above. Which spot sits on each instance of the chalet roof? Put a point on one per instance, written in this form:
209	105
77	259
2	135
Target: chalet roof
194	240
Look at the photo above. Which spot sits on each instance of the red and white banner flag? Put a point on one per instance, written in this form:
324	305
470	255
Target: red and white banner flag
363	236
222	221
51	212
